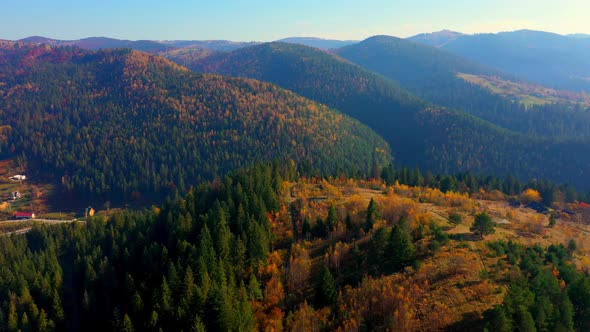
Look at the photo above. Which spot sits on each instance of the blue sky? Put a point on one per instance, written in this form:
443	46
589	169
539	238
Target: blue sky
274	19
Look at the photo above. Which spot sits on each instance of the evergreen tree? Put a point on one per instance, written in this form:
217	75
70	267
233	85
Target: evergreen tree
326	292
372	215
126	325
332	218
254	291
483	225
400	248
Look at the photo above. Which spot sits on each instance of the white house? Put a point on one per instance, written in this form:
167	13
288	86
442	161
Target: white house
18	177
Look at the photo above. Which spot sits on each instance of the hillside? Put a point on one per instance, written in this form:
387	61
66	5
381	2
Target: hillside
545	58
440	140
123	124
436	39
436	75
325	44
151	46
300	254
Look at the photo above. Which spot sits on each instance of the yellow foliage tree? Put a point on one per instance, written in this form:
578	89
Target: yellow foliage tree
530	195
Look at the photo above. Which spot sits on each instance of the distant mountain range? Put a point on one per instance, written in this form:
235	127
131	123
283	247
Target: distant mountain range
152	46
554	60
325	44
437	39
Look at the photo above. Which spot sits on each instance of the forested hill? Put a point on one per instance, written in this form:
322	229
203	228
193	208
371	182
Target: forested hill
439	77
436	139
547	58
261	250
122	123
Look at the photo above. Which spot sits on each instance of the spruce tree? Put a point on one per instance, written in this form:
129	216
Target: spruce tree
400	248
326	292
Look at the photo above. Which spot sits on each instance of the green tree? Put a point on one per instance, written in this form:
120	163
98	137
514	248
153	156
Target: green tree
400	251
254	291
126	324
552	220
326	292
332	218
372	215
455	218
483	225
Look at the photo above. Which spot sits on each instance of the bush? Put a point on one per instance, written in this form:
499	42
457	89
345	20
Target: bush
455	218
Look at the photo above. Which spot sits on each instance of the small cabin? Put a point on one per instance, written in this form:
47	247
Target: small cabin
24	215
18	177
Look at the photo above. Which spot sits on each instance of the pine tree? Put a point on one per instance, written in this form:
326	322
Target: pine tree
254	291
552	220
332	218
12	318
326	292
400	248
372	215
198	325
126	324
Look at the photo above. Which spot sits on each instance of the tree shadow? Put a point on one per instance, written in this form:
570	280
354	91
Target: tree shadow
465	237
470	321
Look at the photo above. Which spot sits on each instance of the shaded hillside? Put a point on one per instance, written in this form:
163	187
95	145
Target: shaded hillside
123	123
440	140
433	74
546	58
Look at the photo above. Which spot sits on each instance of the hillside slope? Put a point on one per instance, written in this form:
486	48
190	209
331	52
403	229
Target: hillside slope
436	75
545	58
122	123
440	140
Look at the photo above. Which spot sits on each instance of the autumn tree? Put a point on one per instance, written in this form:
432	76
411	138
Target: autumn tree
530	195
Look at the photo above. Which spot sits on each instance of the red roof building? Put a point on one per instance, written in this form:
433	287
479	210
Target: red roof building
584	205
24	215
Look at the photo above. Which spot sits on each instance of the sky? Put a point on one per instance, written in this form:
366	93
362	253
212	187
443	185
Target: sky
257	20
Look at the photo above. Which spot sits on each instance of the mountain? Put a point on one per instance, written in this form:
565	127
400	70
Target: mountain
420	134
436	39
440	77
579	35
96	43
123	123
213	45
151	46
325	44
186	56
546	58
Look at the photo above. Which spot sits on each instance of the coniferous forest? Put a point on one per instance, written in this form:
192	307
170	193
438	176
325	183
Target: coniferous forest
226	257
386	185
121	124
